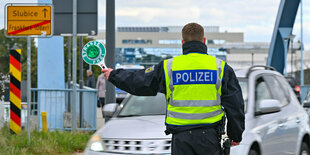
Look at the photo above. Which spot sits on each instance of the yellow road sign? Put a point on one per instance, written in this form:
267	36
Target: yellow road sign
28	20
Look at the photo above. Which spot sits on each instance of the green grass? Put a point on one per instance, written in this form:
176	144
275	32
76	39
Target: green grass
52	142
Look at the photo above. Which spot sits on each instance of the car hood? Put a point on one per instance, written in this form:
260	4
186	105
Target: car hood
141	127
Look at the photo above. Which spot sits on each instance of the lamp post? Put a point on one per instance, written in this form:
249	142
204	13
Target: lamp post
301	45
286	41
292	36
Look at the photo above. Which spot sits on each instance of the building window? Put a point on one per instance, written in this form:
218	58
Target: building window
216	42
167	42
137	41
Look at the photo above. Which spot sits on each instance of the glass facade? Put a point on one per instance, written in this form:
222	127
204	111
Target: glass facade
150	45
163	51
137	41
167	42
216	42
151	56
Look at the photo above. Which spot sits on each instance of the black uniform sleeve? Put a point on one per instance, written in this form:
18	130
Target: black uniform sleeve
233	103
144	82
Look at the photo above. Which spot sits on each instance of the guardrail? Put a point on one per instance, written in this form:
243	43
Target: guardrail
57	104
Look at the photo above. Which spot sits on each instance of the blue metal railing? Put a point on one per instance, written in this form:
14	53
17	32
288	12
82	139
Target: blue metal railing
57	103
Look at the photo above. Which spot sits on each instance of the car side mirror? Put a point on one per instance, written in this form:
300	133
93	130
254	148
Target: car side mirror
109	109
306	104
268	106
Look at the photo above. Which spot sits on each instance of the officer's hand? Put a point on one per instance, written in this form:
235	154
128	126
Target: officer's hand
233	143
107	72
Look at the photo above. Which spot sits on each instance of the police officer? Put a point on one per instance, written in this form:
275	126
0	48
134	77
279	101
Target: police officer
200	89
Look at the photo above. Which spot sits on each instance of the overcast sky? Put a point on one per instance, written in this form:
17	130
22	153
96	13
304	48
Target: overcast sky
256	18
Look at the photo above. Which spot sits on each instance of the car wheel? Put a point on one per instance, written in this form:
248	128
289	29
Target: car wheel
304	149
253	152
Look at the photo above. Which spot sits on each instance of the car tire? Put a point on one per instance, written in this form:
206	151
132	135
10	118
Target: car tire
304	149
253	152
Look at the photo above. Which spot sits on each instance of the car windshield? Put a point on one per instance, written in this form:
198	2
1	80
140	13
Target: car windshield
244	87
144	106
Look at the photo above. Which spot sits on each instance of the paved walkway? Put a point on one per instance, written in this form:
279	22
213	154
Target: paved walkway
100	119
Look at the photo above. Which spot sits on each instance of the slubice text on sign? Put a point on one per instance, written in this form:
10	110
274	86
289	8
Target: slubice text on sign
28	20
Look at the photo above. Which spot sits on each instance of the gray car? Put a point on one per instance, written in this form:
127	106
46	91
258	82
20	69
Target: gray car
276	123
137	127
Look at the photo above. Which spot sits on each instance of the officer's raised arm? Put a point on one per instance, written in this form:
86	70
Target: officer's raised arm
146	82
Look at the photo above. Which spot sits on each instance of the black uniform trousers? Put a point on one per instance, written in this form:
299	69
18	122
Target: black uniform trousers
196	142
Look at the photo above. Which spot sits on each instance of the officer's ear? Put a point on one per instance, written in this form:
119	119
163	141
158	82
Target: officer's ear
183	41
204	40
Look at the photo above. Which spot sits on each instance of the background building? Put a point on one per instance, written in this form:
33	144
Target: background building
149	45
244	54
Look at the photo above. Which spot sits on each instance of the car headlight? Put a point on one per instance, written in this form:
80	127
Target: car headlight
96	144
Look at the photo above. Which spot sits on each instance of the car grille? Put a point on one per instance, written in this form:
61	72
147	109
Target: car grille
146	146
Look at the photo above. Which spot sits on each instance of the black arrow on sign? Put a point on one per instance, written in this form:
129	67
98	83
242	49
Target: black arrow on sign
45	10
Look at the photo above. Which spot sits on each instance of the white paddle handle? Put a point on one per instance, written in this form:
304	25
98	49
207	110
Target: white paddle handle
102	65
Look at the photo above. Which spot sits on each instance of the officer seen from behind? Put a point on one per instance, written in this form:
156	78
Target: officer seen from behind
200	90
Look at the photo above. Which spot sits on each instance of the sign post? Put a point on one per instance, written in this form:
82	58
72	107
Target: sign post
28	85
110	44
28	20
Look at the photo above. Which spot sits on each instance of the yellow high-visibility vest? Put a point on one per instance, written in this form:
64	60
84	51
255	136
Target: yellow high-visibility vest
193	89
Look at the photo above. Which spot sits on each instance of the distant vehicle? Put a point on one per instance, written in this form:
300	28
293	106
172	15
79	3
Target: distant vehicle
306	103
293	83
276	123
121	94
137	127
307	99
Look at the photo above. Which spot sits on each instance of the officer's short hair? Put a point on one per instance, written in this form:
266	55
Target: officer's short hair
192	32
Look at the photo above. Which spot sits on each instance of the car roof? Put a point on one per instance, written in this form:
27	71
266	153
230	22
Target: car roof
241	73
244	73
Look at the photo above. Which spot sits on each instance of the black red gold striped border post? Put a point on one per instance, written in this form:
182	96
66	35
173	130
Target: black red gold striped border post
15	92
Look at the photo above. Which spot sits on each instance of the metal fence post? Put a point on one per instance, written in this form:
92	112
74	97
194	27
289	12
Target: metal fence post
74	65
69	73
81	83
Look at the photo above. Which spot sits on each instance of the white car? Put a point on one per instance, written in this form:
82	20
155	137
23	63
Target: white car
276	124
